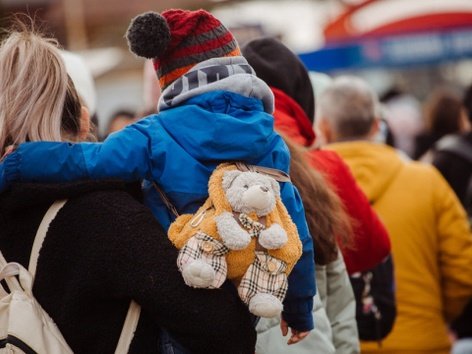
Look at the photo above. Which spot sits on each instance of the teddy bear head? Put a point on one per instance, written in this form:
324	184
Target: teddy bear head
249	192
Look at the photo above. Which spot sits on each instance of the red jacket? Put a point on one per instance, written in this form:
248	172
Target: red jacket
371	241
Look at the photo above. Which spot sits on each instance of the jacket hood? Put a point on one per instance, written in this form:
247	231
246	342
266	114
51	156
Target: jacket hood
279	67
373	165
232	74
222	126
291	120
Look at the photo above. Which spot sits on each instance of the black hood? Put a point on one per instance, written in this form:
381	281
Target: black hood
279	67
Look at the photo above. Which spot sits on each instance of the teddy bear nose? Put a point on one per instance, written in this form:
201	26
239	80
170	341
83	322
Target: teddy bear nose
264	189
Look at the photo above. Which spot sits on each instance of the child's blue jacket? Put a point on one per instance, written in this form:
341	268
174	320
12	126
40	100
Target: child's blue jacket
178	149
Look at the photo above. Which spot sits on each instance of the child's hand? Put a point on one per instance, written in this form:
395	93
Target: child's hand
8	150
296	336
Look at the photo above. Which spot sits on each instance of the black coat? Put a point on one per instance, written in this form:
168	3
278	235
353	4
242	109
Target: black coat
455	169
103	249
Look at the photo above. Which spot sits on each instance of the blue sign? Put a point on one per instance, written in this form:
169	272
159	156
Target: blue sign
395	51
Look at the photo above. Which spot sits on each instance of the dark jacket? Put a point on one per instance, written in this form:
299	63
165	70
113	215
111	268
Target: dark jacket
456	169
103	249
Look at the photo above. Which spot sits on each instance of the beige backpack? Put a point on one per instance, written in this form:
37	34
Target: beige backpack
24	326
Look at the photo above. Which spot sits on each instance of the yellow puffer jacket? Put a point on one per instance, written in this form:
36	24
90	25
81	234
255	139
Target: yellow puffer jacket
182	229
431	245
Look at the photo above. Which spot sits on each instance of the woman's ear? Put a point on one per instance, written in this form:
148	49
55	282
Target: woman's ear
374	129
323	132
84	123
464	122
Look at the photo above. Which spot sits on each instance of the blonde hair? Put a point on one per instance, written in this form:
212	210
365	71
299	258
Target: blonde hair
37	98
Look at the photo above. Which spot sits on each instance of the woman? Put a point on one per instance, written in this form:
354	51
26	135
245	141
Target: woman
104	248
294	113
334	305
445	115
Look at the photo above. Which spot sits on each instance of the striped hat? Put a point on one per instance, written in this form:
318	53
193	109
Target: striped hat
177	40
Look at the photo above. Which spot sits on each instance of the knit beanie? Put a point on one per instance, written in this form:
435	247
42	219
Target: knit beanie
279	67
176	40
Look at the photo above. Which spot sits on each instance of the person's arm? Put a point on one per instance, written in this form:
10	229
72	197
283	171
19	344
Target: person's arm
298	302
341	308
125	155
455	248
371	240
142	265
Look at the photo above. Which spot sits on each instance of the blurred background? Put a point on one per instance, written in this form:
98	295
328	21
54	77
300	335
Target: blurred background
403	48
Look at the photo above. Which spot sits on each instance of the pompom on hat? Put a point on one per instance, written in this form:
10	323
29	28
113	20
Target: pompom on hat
177	40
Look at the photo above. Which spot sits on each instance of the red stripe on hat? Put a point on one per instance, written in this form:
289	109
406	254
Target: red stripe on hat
202	25
184	22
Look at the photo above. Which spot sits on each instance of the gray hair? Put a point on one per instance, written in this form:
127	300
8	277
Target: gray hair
350	106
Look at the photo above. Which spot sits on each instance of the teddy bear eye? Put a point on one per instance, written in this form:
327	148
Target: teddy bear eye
246	186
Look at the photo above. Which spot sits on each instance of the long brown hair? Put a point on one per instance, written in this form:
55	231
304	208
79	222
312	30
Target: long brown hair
325	215
443	112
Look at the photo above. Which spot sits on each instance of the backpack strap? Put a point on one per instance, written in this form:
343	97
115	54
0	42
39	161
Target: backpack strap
276	174
129	327
134	310
3	261
41	234
166	200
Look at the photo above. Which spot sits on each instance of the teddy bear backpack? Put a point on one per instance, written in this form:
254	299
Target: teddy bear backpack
242	232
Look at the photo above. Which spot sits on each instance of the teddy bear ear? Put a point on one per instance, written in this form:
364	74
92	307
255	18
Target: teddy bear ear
229	177
275	186
148	35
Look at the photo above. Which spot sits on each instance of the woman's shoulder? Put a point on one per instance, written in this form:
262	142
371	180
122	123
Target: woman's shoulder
113	197
113	210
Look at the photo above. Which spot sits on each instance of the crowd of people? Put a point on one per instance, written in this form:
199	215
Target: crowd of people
385	257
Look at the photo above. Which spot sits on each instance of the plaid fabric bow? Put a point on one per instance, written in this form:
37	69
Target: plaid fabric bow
253	227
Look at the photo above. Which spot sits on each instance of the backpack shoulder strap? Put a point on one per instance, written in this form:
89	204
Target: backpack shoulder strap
3	261
166	200
456	145
129	327
276	174
134	310
41	234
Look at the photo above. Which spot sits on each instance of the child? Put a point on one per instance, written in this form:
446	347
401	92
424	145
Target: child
213	109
